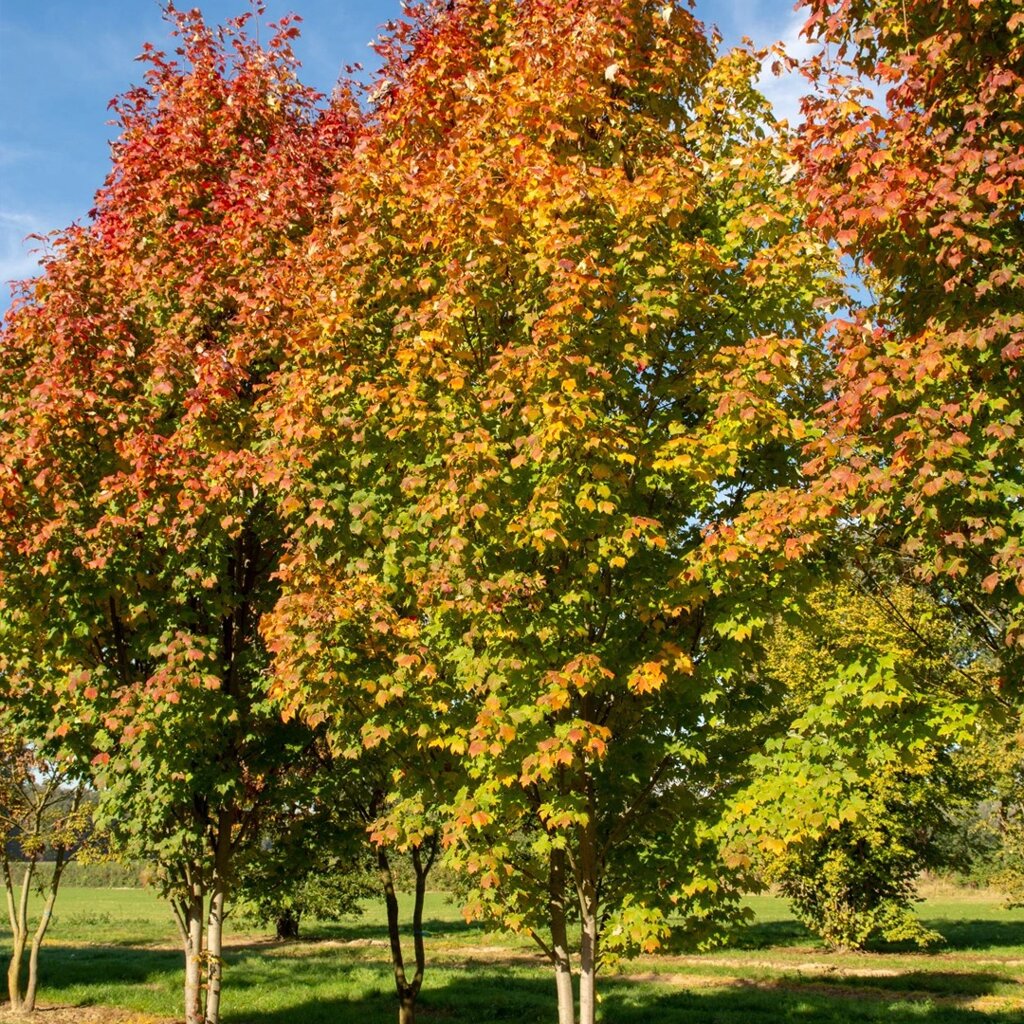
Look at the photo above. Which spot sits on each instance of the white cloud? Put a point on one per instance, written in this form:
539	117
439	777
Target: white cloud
785	91
17	259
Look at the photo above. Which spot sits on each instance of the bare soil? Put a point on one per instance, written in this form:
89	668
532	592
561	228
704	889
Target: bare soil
81	1015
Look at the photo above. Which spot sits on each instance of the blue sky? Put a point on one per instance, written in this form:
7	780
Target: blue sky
61	61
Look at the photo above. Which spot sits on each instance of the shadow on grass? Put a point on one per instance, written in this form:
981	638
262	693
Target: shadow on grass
486	996
771	934
70	966
328	987
968	934
957	935
355	930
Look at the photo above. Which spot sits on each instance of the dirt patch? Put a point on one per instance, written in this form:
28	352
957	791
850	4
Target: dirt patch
795	966
82	1015
981	1004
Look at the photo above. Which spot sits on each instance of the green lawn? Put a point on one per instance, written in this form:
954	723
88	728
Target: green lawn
118	948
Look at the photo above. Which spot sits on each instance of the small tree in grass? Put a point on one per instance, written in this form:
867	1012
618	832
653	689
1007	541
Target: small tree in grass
863	778
45	816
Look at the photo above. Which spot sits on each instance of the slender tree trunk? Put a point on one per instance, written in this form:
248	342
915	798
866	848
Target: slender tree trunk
587	891
588	967
406	1008
215	930
191	922
560	938
406	1000
408	991
29	1002
19	931
14	972
214	960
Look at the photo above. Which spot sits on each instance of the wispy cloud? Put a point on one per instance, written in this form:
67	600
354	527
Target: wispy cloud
785	91
17	258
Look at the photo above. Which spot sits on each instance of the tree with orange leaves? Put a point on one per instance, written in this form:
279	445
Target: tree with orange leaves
562	320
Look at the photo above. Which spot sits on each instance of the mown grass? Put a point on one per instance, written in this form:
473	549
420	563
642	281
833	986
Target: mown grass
118	948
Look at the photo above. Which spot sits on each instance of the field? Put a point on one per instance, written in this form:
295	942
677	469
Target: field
117	949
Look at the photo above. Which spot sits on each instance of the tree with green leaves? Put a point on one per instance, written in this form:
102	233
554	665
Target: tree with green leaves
867	765
562	320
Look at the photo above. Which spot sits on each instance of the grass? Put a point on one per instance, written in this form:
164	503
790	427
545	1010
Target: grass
119	948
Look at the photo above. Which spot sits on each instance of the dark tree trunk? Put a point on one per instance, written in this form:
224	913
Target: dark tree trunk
287	926
407	990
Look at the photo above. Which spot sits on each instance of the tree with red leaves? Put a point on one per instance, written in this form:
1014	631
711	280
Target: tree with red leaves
137	542
913	160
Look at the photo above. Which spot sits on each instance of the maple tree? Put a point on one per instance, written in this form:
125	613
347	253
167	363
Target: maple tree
911	156
137	544
559	323
911	167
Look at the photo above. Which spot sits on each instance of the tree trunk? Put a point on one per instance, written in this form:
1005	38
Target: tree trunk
214	961
287	925
588	967
560	938
19	931
408	991
14	972
406	1001
407	1009
215	930
191	920
587	891
29	1002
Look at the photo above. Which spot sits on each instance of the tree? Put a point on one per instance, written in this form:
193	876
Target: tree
910	160
137	542
992	832
45	816
388	788
911	157
557	327
311	859
867	766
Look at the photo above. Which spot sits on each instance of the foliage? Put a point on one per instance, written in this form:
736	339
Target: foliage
559	325
867	771
137	544
99	873
856	883
993	831
327	892
911	156
311	860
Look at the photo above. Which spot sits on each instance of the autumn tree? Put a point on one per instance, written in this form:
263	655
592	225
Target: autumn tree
911	166
137	543
911	157
559	324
